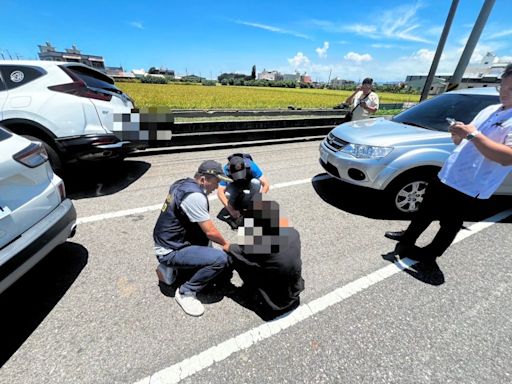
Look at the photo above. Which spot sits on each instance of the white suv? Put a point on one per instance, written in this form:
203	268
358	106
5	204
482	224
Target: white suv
69	107
35	215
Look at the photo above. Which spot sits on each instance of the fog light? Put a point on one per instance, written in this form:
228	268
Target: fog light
356	174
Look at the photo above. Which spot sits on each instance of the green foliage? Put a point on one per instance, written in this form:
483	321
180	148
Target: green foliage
209	83
154	80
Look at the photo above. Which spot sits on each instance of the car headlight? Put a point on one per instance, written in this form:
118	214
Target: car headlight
366	151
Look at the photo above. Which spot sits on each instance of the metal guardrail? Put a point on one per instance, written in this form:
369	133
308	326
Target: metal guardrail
177	134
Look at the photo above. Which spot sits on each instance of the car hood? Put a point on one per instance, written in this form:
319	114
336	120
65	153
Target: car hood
382	132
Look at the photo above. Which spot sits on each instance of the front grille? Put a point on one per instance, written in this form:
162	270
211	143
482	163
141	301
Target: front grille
330	168
334	143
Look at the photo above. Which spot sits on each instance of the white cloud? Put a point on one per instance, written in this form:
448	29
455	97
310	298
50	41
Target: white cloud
358	58
361	29
271	28
299	60
382	46
424	54
322	52
506	59
136	24
508	32
398	23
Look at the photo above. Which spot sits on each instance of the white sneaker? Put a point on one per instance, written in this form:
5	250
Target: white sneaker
189	303
166	274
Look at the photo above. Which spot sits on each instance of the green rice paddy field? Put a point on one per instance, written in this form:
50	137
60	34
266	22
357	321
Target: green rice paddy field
180	96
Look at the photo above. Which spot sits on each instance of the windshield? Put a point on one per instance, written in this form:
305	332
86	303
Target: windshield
432	113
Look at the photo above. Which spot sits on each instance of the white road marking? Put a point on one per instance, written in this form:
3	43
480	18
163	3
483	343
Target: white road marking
222	351
135	211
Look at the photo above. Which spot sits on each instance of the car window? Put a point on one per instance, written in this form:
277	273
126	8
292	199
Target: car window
4	134
432	113
94	79
17	75
2	83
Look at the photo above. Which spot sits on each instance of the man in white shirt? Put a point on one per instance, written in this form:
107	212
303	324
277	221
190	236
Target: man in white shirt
474	171
363	101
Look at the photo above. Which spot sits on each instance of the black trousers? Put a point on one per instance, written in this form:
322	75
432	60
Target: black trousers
445	204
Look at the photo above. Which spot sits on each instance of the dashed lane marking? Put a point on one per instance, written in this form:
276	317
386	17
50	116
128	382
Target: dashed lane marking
156	207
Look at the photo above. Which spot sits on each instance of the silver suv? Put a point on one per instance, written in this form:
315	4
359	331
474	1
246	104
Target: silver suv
400	155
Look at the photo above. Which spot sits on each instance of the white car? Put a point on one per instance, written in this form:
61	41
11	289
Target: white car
35	215
69	107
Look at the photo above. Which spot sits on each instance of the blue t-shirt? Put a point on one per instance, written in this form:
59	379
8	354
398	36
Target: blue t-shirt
256	172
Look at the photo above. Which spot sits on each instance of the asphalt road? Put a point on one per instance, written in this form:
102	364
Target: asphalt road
92	311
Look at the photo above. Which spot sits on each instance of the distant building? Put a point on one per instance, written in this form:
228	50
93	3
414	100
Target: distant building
139	73
417	82
306	79
337	82
487	73
73	54
291	77
270	75
118	73
161	71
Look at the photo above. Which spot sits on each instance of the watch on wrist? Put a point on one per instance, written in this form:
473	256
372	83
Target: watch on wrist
472	135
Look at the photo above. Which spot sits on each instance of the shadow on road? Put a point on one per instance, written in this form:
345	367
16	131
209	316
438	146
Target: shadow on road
375	205
28	301
428	273
102	178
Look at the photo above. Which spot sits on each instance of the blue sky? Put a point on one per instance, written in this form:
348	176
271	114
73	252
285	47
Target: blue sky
347	39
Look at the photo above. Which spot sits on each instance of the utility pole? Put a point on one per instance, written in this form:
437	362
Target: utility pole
439	50
471	44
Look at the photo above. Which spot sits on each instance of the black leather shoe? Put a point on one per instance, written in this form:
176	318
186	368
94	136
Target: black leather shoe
394	235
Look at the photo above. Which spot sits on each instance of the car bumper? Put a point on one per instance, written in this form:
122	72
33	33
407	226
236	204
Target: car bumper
95	147
370	173
34	244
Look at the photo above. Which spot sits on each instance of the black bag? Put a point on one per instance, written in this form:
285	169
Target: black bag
348	116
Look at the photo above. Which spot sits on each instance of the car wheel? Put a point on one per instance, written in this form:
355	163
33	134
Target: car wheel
407	192
53	156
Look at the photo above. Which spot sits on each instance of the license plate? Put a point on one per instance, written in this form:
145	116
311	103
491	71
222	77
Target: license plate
324	155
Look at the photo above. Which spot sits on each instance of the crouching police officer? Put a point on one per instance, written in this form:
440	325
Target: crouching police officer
247	176
183	232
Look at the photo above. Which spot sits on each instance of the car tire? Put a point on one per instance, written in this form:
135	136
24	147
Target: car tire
406	193
53	156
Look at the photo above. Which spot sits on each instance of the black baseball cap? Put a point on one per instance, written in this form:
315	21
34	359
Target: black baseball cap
368	80
213	168
237	168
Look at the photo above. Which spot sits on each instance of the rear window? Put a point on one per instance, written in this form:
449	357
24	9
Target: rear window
94	79
4	134
15	76
432	113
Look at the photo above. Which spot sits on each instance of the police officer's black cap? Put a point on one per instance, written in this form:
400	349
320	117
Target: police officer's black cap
213	168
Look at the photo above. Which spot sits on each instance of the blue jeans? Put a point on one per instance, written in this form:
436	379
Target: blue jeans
237	198
208	261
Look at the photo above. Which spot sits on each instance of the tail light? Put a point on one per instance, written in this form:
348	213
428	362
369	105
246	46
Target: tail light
62	190
79	88
32	156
